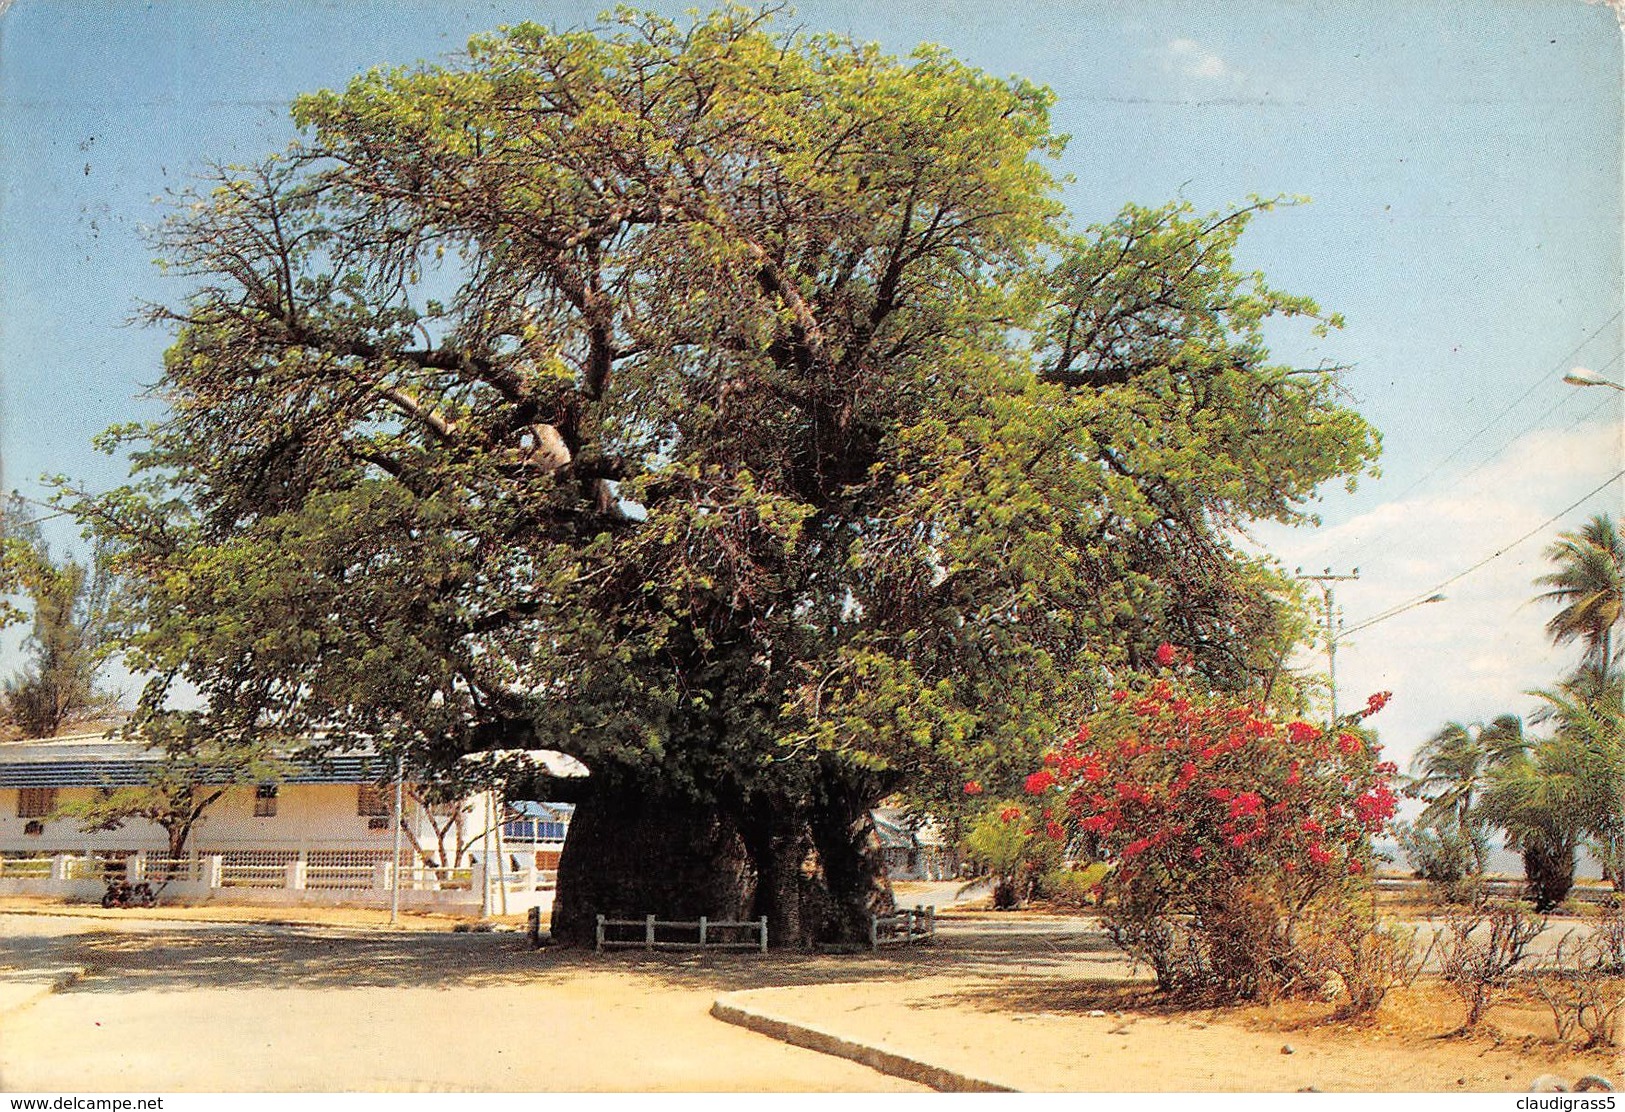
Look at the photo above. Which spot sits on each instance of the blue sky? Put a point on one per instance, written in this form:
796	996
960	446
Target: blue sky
1463	158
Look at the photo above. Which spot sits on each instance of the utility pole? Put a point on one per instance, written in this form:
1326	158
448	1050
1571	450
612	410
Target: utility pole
395	866
1325	580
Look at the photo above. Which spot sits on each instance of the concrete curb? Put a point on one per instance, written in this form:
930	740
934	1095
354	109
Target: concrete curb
15	997
875	1057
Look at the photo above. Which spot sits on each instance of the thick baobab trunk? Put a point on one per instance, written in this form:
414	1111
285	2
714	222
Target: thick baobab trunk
775	834
851	862
634	851
815	871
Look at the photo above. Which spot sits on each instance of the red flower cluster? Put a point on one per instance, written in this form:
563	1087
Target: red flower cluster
1376	806
1192	785
1039	781
973	787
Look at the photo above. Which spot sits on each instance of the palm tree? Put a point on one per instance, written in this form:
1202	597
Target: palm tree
1534	802
1590	584
1451	771
1588	755
1566	787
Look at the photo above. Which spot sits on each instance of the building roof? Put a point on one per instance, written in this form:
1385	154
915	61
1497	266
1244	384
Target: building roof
112	761
899	830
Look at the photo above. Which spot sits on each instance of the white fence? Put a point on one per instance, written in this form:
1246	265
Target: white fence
905	927
280	876
707	936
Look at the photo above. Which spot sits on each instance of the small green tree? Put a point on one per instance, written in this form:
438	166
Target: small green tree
445	796
1587	756
1442	857
1450	773
1005	841
71	639
1532	798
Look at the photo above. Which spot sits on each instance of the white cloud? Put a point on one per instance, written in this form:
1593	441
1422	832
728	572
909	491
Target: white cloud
1473	655
1189	57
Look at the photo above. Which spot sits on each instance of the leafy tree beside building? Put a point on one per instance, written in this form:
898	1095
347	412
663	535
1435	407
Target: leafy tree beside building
71	638
731	409
197	764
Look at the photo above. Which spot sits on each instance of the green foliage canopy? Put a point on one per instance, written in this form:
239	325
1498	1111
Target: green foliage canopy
72	635
719	405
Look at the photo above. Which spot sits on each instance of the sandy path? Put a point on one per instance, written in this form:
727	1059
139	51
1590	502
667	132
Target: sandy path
1031	1035
289	1010
175	1007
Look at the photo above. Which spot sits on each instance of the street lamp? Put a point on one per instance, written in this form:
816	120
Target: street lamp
1585	376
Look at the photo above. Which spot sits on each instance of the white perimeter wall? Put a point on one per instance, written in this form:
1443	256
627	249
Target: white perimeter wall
309	817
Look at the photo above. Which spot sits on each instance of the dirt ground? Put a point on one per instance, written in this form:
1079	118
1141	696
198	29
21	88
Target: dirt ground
1042	1035
1034	1002
236	1008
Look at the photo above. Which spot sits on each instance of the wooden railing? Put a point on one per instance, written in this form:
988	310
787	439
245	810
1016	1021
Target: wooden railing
904	927
706	937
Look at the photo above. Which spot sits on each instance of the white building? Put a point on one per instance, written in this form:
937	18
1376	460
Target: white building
323	833
914	847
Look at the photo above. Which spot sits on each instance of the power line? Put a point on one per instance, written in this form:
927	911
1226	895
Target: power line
1502	551
1391	612
1528	427
1540	379
1531	426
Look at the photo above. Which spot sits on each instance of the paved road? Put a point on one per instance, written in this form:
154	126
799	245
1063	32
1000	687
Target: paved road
174	1008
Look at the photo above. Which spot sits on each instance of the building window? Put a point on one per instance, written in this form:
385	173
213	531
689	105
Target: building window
265	801
35	803
372	802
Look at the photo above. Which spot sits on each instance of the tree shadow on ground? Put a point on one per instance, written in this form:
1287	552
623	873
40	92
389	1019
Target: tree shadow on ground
1072	996
25	960
258	956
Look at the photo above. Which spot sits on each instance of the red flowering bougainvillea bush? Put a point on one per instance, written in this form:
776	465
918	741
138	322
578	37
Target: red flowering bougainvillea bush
1240	842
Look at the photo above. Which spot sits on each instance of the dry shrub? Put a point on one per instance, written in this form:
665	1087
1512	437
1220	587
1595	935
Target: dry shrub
1480	951
1370	961
1248	946
1575	987
1610	936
